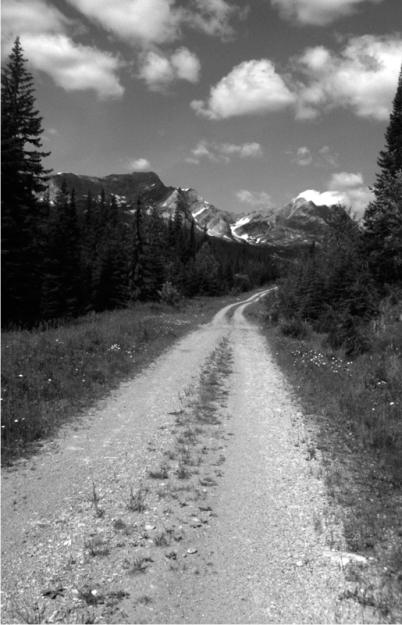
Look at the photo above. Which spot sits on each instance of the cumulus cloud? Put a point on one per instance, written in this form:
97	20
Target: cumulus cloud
222	152
254	198
213	17
159	70
47	46
251	87
140	164
29	17
362	77
343	188
135	21
155	22
74	67
317	12
186	65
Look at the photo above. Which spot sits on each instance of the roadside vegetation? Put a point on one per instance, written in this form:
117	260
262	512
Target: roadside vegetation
335	327
354	406
50	374
155	529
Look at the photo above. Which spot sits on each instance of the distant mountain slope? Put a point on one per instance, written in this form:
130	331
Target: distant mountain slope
282	229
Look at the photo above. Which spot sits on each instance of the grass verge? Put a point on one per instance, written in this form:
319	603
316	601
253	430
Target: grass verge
356	409
51	375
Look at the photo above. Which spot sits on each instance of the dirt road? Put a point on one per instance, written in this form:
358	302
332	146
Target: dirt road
190	495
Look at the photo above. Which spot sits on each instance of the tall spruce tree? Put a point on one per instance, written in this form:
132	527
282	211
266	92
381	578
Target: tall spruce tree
383	216
390	159
23	176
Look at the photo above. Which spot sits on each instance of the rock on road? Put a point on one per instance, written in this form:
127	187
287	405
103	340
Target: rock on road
259	559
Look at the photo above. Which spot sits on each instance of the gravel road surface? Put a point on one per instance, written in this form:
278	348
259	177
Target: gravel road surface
249	546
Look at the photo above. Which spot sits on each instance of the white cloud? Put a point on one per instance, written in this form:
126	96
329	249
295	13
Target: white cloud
254	198
159	71
74	67
212	17
135	21
155	22
251	87
303	157
327	197
323	158
222	152
186	65
362	77
140	164
245	150
29	17
344	180
317	12
156	70
42	30
343	188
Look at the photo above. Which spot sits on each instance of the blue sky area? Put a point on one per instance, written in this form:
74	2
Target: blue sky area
251	103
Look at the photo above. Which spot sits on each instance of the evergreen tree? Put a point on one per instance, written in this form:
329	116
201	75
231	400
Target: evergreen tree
390	159
383	216
207	271
23	176
61	266
139	277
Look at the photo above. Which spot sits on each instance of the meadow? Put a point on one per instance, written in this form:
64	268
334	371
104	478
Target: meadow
52	374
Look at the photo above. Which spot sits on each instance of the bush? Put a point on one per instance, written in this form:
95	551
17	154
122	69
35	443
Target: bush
295	328
169	294
241	283
349	334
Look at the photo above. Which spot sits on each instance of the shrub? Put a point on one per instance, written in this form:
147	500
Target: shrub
295	328
169	294
241	283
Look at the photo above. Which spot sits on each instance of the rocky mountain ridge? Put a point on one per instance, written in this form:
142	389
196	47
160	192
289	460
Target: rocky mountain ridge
282	229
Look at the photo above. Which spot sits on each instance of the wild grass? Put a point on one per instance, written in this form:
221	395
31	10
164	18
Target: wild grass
139	566
49	375
362	395
96	547
162	473
136	500
356	406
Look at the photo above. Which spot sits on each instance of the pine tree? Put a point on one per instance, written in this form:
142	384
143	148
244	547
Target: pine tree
23	176
383	216
207	270
390	159
61	266
140	279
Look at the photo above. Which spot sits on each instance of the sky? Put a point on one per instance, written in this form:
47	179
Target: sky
251	103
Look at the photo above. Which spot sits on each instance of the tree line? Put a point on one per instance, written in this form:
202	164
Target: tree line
58	261
337	287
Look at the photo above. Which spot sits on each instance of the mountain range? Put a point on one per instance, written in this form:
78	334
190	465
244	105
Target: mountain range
282	229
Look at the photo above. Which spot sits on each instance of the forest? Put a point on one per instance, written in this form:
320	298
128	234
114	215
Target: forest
59	262
337	288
